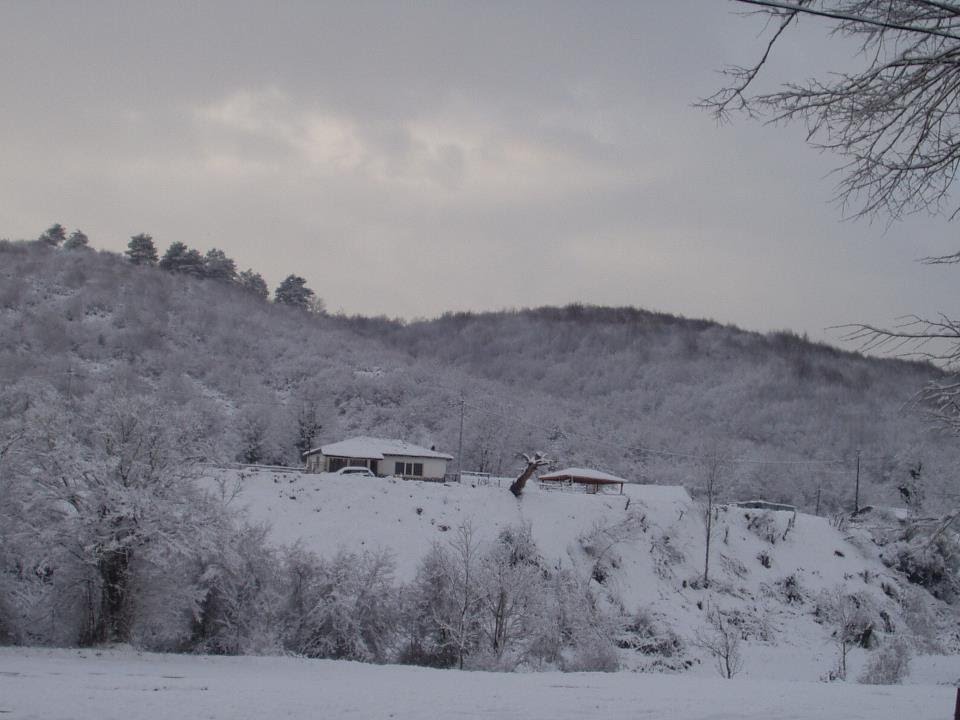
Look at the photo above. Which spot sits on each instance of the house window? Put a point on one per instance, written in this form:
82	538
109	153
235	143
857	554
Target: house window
408	469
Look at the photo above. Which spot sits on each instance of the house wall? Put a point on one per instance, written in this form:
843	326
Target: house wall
433	468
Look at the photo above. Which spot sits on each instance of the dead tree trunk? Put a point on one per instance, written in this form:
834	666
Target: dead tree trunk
538	459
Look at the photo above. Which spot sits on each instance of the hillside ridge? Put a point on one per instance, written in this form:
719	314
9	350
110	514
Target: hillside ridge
612	388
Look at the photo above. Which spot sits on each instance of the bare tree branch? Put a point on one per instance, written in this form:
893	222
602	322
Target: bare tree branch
806	8
894	122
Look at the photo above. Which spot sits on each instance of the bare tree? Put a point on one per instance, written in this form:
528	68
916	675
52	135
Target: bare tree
893	121
722	640
456	612
510	588
533	462
937	341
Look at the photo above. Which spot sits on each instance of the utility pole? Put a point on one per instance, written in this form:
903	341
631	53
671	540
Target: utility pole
856	491
460	445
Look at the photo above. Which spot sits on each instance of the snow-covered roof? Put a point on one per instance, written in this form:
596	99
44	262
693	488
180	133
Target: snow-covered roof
371	448
582	474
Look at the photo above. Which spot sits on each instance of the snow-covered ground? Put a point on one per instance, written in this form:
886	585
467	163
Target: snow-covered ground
651	544
123	684
650	541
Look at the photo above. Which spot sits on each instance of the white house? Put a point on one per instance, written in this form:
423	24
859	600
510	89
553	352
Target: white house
382	456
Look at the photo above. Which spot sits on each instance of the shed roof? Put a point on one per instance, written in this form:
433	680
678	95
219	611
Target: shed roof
582	474
371	448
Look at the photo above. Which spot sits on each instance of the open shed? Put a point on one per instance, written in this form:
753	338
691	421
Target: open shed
591	481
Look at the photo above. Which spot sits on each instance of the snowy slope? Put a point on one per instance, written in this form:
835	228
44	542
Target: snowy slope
645	550
326	511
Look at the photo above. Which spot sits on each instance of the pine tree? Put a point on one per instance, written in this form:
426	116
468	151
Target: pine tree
217	266
181	259
253	282
78	240
141	250
293	291
53	235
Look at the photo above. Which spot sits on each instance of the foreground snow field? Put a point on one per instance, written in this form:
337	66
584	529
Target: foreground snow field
124	684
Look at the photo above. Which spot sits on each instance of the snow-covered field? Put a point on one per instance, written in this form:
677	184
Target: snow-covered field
651	540
123	684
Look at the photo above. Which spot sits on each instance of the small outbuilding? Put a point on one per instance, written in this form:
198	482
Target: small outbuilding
382	456
590	481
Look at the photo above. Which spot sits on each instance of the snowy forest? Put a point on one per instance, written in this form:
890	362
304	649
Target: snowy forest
633	392
125	377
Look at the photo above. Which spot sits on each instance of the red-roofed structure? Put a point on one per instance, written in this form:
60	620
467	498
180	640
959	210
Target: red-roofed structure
592	481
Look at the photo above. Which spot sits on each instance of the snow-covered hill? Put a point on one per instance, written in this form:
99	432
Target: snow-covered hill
636	393
643	552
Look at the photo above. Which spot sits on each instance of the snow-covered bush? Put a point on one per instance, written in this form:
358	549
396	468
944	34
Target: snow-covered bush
494	606
645	634
441	612
571	631
764	526
440	608
918	614
751	623
510	590
592	654
167	602
601	541
666	555
791	589
239	596
40	606
933	563
888	665
345	607
9	630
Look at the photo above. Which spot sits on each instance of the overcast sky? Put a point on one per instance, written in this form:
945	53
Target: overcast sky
411	158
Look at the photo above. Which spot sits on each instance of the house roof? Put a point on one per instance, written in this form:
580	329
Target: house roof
584	474
371	448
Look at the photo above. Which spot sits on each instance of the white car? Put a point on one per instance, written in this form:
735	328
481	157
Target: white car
351	470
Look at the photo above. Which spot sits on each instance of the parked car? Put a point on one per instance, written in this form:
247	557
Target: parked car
351	470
